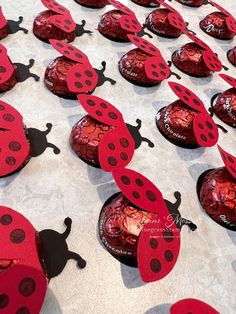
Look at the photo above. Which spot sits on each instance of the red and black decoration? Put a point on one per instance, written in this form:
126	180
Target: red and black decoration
19	143
29	259
193	306
9	26
94	4
144	66
216	192
12	73
186	123
220	25
231	55
57	23
117	24
140	228
72	73
223	105
102	139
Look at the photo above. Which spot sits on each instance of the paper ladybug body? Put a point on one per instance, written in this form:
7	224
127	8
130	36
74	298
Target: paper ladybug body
158	23
29	259
192	3
216	189
45	30
215	25
96	4
146	3
4	32
232	56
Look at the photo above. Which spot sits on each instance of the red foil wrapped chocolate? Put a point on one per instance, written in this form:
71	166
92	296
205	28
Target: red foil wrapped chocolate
146	3
85	138
45	30
158	23
96	4
55	77
192	3
217	195
10	83
189	60
214	24
232	56
120	224
175	122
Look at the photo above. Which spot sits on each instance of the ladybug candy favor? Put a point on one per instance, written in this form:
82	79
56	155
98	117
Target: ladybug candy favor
220	25
225	105
144	66
138	229
117	24
216	190
29	259
102	139
185	122
19	144
231	55
72	73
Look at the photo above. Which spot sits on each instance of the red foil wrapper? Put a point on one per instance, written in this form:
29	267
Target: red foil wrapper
189	60
214	24
146	3
92	3
192	3
120	224
131	67
85	138
10	83
217	194
232	56
158	23
109	26
225	107
4	32
175	122
44	30
56	74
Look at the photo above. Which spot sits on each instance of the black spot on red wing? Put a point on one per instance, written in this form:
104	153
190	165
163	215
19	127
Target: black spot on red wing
77	74
8	117
153	66
162	65
187	92
78	55
2	107
112	161
125	180
27	286
78	84
152	49
124	142
99	113
10	160
139	182
66	27
124	156
103	105
178	88
151	196
212	65
68	22
230	159
59	45
200	126
136	194
111	146
196	102
87	82
112	115
136	39
186	98
154	73
4	300
70	48
143	46
168	235
234	170
203	137
17	236
211	135
14	146
169	255
2	69
209	125
6	220
90	102
155	265
88	73
153	243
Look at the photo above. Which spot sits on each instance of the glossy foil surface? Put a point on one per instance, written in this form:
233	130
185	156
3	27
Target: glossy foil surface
175	122
189	60
225	107
131	67
157	22
192	3
214	24
44	30
85	138
146	3
218	196
109	26
56	75
10	83
92	3
4	32
120	224
232	56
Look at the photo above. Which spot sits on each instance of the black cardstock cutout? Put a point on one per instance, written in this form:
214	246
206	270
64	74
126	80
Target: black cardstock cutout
174	212
101	77
80	31
14	26
137	137
23	71
38	141
55	253
142	33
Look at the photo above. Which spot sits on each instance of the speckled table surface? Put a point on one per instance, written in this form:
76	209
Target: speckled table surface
52	187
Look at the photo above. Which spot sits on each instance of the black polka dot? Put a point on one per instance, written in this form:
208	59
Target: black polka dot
153	243
2	69
68	22
154	73
2	107
169	255
23	310
4	300
14	146
134	22
152	49
230	159
78	84
8	117
112	115
17	236
70	48
90	102
10	161
136	39
67	27
142	46
163	73
151	196
209	125
27	286
111	146
87	82
200	125
232	169
196	102
139	182
212	65
112	161
168	235
136	194
124	156
155	265
59	45
103	105
211	135
66	52
125	180
88	73
77	74
124	142
177	88
203	137
6	220
186	98
153	66
78	55
99	113
162	65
